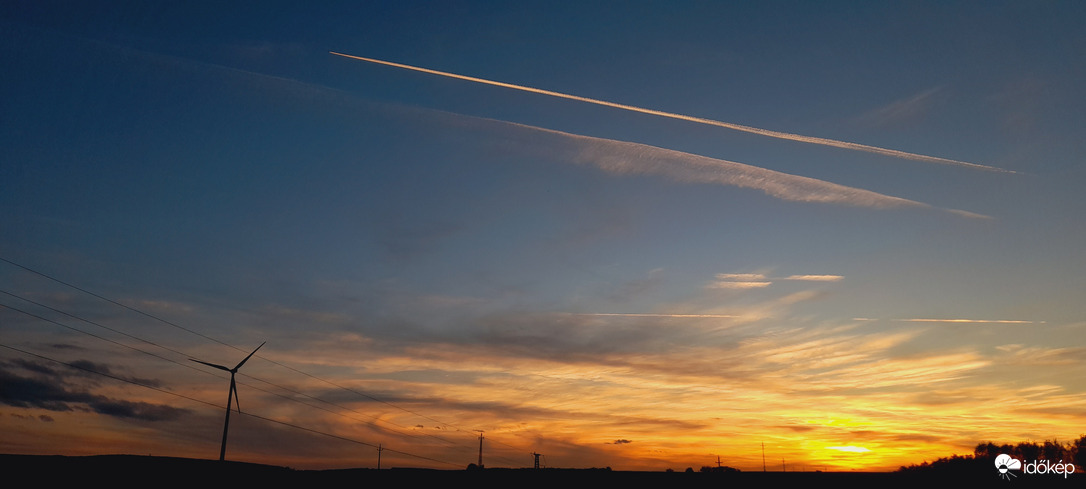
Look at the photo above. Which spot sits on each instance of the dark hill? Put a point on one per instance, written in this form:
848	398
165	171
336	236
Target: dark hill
144	471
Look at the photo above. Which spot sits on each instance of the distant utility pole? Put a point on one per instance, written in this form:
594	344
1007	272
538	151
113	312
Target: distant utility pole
718	461
379	450
536	459
763	456
782	465
480	448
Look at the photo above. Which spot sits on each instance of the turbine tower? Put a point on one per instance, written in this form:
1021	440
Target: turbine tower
232	395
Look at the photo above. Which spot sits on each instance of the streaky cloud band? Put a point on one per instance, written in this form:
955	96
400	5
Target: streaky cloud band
649	315
631	159
727	125
982	321
960	321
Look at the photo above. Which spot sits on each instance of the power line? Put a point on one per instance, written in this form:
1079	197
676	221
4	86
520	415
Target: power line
175	325
186	365
164	391
172	324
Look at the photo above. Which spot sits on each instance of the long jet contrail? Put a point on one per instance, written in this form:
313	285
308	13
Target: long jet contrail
737	127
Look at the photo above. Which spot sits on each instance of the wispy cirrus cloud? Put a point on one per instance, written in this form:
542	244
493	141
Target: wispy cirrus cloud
630	158
724	284
978	321
651	315
905	109
815	278
759	280
612	156
627	158
740	276
849	448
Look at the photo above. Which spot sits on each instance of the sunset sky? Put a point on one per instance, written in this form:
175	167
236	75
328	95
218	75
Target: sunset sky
670	231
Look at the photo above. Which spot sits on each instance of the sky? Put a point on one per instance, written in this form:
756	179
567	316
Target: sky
640	235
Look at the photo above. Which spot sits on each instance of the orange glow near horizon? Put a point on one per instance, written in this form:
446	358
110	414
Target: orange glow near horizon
835	397
771	268
619	419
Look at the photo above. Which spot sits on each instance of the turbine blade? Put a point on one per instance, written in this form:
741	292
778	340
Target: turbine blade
220	367
234	389
248	357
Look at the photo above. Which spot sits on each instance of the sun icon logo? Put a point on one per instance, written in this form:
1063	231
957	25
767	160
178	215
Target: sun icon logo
1005	464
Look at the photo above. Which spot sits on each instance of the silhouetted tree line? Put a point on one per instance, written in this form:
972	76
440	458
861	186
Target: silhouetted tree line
985	453
721	469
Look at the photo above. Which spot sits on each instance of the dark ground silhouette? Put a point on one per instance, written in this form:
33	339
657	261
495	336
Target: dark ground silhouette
143	471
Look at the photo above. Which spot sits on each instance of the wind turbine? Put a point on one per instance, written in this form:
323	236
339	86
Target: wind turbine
230	396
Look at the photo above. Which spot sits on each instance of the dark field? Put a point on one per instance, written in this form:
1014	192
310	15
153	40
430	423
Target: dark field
134	470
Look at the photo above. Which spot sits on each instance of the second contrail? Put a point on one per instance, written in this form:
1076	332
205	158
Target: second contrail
737	127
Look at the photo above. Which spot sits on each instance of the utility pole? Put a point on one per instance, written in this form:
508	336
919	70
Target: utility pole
782	465
763	456
718	461
379	450
480	448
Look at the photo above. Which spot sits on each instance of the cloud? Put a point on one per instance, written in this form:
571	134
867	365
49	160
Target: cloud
629	158
626	158
979	321
906	109
740	276
90	366
849	448
758	280
739	281
612	156
651	315
971	215
815	278
52	395
621	442
738	285
726	125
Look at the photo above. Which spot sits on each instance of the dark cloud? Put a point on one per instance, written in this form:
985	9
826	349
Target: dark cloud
90	366
621	442
51	394
65	346
136	410
45	417
34	367
798	428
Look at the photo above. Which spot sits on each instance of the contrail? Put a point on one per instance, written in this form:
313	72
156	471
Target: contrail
626	158
992	321
979	321
737	127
